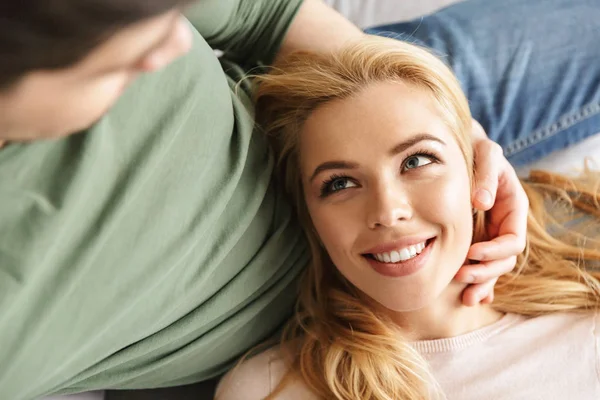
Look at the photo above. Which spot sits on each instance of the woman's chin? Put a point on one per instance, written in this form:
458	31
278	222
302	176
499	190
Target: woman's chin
447	297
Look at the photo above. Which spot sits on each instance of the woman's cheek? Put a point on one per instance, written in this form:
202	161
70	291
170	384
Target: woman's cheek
335	229
446	200
328	226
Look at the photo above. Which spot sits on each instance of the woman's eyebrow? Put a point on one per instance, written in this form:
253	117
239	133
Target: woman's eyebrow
332	165
399	148
402	146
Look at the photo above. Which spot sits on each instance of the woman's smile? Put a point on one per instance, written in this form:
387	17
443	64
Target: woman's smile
402	262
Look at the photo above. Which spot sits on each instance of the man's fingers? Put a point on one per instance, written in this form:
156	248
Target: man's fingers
485	272
499	248
488	159
489	299
515	200
477	131
479	293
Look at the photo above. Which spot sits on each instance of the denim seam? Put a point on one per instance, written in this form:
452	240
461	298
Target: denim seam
564	122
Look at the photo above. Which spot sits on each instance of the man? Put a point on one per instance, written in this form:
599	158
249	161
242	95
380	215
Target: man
142	243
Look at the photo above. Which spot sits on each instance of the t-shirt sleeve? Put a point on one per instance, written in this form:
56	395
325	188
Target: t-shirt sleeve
247	31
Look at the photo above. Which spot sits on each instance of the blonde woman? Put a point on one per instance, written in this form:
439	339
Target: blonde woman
374	146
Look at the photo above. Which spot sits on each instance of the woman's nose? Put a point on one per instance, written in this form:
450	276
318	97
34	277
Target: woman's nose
388	206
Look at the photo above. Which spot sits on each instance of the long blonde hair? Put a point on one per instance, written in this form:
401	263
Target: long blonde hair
335	343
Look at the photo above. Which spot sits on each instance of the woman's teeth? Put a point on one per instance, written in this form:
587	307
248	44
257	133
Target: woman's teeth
400	255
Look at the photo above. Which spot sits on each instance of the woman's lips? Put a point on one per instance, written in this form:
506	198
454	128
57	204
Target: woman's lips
398	244
402	268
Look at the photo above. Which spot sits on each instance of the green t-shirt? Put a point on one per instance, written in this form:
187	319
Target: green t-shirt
153	249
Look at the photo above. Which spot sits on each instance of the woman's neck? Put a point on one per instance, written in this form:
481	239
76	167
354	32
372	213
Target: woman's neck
447	317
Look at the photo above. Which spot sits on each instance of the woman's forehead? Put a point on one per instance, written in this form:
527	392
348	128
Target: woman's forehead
378	116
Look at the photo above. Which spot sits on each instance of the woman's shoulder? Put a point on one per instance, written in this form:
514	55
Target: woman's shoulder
577	331
252	379
257	377
570	318
559	323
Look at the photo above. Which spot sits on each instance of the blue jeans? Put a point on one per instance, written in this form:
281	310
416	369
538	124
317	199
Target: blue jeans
530	68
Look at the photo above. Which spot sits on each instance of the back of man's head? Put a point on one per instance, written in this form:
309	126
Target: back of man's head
54	34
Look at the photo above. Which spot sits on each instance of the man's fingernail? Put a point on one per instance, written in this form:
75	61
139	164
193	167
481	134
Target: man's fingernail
482	295
469	278
484	197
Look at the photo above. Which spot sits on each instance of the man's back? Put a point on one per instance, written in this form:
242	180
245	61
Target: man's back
149	251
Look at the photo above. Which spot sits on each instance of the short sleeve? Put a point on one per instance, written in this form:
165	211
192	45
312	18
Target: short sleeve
247	31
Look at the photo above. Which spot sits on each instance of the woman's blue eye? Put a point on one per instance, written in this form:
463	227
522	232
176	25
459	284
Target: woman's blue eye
336	184
340	184
417	161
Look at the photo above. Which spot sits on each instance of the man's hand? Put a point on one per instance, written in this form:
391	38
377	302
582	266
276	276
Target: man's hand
497	188
318	28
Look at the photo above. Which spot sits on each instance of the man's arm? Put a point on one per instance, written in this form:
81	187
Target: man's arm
318	27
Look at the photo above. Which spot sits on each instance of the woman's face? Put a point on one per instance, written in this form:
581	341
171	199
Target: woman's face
388	191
